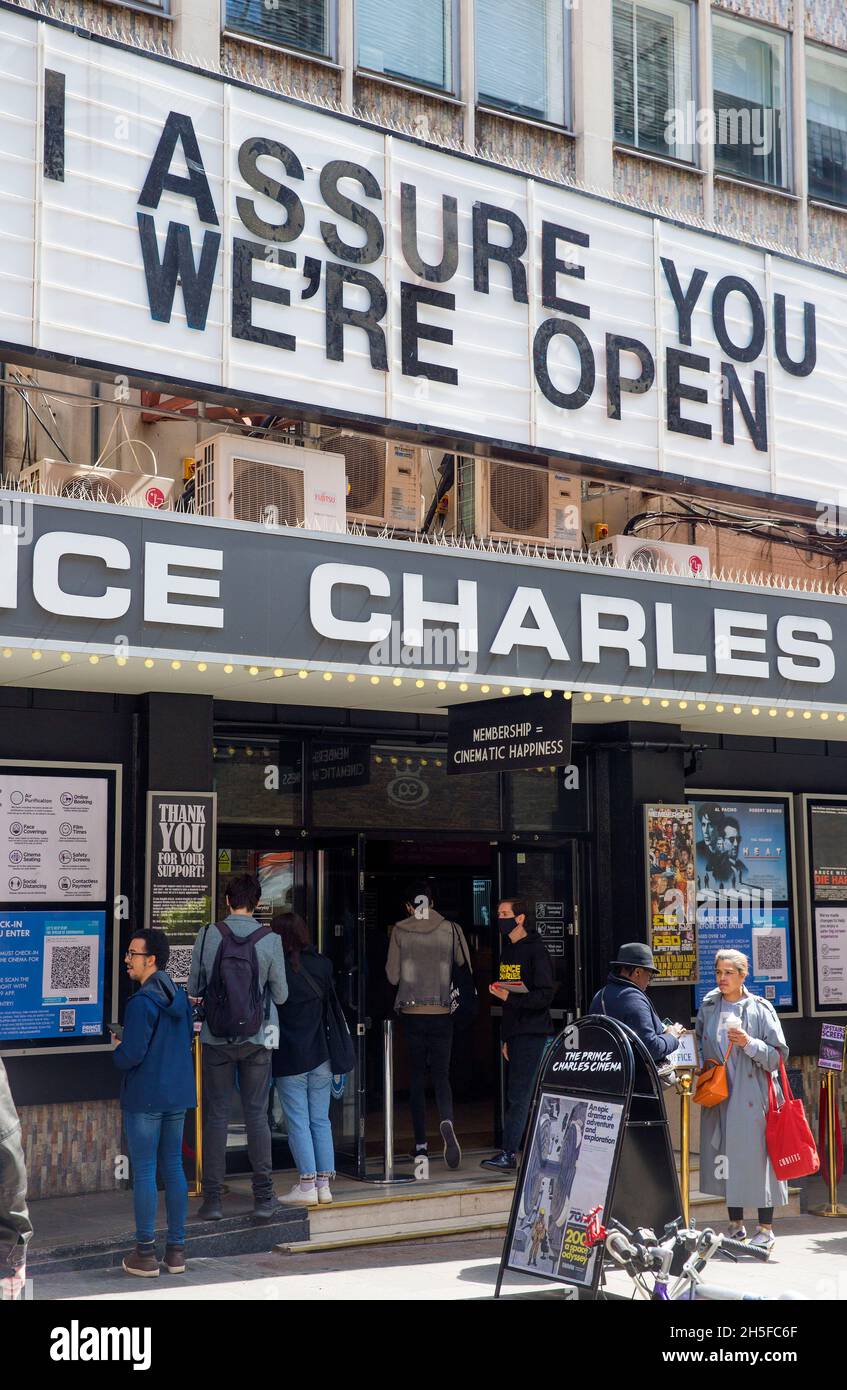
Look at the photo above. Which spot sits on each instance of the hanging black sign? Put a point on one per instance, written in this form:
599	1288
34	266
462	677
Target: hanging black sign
523	732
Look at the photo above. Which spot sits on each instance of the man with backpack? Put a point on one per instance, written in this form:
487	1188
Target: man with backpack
238	973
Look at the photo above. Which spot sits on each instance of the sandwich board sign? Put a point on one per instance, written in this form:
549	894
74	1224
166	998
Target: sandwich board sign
597	1136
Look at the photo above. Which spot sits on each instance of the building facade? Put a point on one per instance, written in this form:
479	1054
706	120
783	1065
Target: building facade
364	361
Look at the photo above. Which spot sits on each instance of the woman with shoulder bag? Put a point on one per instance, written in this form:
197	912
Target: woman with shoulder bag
742	1034
301	1067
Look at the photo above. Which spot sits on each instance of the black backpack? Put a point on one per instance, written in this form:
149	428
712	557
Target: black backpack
233	998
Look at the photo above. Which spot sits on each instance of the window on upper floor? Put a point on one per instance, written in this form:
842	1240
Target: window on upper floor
826	124
749	67
653	46
304	24
410	40
522	58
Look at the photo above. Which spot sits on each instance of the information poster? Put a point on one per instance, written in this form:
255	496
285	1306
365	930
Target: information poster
764	939
831	1053
568	1174
53	838
672	892
180	861
831	955
741	850
51	974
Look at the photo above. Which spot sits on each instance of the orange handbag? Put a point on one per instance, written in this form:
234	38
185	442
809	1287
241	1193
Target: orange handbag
712	1084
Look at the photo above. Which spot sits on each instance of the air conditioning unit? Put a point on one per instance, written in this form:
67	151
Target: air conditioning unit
272	484
518	502
383	480
663	557
60	479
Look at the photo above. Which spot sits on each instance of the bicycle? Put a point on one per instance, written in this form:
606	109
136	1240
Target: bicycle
675	1262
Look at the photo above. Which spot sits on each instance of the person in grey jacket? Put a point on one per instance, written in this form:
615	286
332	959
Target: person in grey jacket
734	1161
421	953
248	1059
15	1225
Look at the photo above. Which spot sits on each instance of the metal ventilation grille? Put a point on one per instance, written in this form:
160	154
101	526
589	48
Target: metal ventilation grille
267	493
204	483
365	466
90	488
519	500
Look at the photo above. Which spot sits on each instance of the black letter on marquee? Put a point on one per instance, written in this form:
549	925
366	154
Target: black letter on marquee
412	330
485	251
446	268
245	289
551	267
615	383
178	264
196	185
54	125
810	334
685	303
733	391
248	165
331	173
678	391
572	400
727	286
338	315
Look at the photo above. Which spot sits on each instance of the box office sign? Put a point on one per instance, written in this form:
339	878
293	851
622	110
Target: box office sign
509	734
84	577
247	243
181	861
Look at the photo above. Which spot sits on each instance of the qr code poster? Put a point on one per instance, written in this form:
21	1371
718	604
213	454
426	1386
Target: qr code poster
51	975
179	963
763	937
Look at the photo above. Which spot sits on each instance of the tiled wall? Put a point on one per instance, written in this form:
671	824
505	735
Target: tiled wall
71	1147
269	66
826	21
756	215
404	108
525	146
779	12
828	236
658	185
133	26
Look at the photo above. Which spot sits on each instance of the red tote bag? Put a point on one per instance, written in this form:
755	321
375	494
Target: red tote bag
791	1148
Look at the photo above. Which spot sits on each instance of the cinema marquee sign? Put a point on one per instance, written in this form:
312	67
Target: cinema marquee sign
178	227
105	579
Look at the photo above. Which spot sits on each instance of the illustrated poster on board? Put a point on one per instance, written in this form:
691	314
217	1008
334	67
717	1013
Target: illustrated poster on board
741	849
53	838
568	1174
672	885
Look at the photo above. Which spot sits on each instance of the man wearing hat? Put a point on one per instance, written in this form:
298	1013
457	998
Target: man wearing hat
624	997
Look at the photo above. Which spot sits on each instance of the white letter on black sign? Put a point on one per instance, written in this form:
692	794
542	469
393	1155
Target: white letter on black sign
160	585
788	642
667	659
728	642
8	566
593	607
417	611
325	578
512	633
49	552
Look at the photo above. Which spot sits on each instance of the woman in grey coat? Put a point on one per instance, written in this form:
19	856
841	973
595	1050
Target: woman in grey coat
734	1161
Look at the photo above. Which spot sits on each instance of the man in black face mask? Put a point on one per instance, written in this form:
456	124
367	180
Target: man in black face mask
526	990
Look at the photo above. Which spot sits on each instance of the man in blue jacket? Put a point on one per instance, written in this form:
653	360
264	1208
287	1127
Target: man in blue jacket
624	997
157	1087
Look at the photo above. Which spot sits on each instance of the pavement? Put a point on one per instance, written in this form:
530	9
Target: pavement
810	1259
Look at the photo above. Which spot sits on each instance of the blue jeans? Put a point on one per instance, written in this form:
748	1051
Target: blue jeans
305	1100
150	1137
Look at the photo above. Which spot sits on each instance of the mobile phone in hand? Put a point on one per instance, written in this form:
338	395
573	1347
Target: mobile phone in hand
117	1029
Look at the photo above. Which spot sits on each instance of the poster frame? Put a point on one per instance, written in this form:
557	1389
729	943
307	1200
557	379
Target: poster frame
789	798
110	987
806	800
210	796
657	805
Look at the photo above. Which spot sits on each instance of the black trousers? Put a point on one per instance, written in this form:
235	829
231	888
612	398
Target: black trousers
525	1053
429	1042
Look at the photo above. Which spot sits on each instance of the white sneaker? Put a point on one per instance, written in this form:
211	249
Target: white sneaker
736	1232
324	1195
763	1240
305	1196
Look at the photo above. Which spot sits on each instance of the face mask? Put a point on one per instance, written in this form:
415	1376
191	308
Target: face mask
506	925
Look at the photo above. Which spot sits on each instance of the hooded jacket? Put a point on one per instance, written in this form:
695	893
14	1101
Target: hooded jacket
155	1054
420	962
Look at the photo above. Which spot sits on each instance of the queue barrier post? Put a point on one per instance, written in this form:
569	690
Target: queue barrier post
388	1174
831	1207
684	1082
197	1189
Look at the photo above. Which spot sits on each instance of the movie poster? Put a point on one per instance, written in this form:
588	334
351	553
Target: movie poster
828	851
741	850
672	892
568	1174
